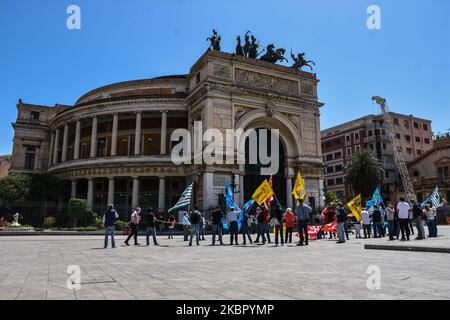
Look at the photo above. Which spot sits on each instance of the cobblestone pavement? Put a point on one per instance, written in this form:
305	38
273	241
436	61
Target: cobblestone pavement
35	267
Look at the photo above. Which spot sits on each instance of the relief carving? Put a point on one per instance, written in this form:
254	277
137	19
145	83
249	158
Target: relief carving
264	81
221	71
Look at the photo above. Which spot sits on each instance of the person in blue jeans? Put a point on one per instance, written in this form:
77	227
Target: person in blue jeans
302	214
194	219
418	217
377	221
109	221
341	219
150	220
430	214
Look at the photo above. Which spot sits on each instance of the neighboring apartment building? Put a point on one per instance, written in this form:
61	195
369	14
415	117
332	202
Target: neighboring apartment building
340	142
5	163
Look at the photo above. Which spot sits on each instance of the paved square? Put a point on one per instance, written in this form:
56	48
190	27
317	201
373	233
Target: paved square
35	267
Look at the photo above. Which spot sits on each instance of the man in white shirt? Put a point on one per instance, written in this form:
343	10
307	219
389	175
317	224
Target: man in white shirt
404	210
232	217
366	222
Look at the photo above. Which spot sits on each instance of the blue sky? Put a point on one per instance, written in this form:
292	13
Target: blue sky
407	61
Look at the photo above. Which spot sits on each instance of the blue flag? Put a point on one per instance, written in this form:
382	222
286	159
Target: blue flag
376	198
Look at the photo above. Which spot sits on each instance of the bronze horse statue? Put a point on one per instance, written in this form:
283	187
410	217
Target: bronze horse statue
239	49
300	62
272	55
214	40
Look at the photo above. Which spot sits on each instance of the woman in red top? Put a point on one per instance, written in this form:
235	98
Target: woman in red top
289	220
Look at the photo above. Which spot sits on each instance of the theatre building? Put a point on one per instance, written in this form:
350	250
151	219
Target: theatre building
114	144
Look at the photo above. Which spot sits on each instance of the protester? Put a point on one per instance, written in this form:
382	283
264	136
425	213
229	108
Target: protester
357	225
259	225
216	217
186	226
202	226
289	220
245	229
390	217
329	216
302	213
194	220
109	221
150	221
366	223
341	218
418	217
404	209
376	221
430	214
135	219
171	225
265	224
232	219
278	224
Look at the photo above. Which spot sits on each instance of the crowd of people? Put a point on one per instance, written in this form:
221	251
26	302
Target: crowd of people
377	221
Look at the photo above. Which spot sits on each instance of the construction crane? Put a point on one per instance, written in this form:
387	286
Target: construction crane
398	156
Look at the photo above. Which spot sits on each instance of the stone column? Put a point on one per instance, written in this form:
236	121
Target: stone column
93	153
137	135
163	132
55	147
241	190
52	142
111	190
73	189
289	202
90	193
65	143
162	194
135	194
208	190
76	147
114	134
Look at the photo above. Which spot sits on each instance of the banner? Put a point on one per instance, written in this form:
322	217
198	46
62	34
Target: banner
263	192
355	207
299	187
331	227
376	198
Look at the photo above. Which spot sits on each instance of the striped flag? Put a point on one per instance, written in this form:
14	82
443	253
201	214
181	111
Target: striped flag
434	198
185	199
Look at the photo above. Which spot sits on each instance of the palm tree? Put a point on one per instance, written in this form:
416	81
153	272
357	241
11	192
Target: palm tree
364	173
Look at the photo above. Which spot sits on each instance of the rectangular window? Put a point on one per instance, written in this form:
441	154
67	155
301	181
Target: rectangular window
417	139
329	157
406	122
397	135
101	147
384	146
30	156
330	182
408	138
409	151
330	169
425	127
383	132
349	151
34	115
396	121
339	180
370	133
357	148
356	135
427	141
416	125
338	155
419	152
338	168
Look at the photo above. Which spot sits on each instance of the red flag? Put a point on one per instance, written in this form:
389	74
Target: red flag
312	232
331	227
269	200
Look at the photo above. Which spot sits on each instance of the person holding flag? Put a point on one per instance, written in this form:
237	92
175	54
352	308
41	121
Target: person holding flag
341	219
261	194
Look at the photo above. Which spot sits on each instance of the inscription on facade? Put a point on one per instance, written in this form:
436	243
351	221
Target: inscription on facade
260	80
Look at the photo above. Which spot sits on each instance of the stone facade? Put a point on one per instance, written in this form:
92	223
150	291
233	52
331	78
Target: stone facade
5	163
122	132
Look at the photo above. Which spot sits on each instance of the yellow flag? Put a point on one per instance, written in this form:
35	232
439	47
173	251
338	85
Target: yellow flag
355	206
299	186
263	192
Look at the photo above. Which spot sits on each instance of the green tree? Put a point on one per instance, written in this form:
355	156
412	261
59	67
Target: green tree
77	209
364	173
15	187
331	198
